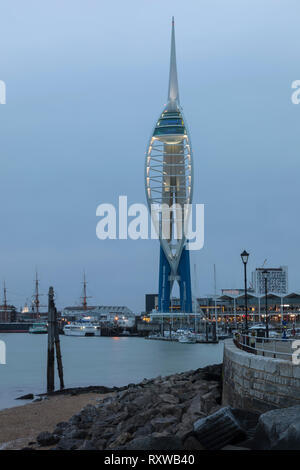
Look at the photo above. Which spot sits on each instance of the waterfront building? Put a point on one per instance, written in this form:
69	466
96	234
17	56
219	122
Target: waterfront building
151	303
230	308
277	280
279	307
169	185
102	313
236	292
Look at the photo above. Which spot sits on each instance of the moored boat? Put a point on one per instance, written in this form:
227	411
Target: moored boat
15	327
187	338
80	329
38	329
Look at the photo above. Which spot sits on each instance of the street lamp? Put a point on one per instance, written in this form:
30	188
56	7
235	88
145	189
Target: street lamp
245	257
265	275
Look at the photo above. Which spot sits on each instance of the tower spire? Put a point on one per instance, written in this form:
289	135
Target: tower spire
173	93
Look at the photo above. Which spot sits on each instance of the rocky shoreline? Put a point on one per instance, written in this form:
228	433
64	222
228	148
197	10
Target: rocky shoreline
179	412
152	409
157	414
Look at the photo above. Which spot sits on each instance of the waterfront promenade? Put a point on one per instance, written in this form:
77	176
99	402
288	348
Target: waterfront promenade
276	348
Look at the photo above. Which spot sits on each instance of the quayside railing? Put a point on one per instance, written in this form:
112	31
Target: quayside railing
278	348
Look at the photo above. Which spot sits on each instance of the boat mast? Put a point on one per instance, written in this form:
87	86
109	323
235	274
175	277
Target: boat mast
215	298
37	296
5	302
84	296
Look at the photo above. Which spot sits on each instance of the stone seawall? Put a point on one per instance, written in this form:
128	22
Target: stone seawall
258	383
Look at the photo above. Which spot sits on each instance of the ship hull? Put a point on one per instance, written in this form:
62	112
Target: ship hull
17	327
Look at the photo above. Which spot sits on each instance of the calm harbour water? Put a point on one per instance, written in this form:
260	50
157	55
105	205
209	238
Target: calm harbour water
95	361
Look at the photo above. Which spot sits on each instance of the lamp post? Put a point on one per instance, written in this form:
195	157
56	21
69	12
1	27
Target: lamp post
245	257
265	275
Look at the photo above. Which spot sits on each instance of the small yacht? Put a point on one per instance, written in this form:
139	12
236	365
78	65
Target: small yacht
80	329
187	338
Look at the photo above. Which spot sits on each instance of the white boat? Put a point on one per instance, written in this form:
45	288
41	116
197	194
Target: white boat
126	333
80	329
187	338
153	336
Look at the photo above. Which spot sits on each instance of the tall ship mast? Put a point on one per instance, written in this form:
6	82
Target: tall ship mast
5	302
84	297
36	297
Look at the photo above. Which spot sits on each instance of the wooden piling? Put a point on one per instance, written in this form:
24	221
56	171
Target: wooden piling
53	342
51	336
58	354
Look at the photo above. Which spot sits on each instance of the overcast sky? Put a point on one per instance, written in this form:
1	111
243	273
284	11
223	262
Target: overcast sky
86	81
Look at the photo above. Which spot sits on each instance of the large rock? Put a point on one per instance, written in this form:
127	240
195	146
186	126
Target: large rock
168	398
218	429
161	423
47	439
247	420
120	440
184	430
173	410
213	372
77	434
193	410
195	405
28	396
208	402
88	445
191	443
278	430
95	444
169	442
60	428
144	430
68	444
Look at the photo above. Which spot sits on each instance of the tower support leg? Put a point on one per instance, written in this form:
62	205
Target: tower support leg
164	289
184	272
165	285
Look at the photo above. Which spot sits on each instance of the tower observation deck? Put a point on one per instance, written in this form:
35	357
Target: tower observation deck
169	184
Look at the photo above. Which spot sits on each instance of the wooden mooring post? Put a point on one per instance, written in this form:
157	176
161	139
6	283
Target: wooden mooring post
53	342
58	354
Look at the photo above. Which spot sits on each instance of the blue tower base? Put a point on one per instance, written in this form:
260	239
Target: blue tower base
164	290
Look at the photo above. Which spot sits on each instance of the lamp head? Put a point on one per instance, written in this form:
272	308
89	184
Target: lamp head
245	257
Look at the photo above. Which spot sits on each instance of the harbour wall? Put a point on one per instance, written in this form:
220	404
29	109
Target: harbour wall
258	383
